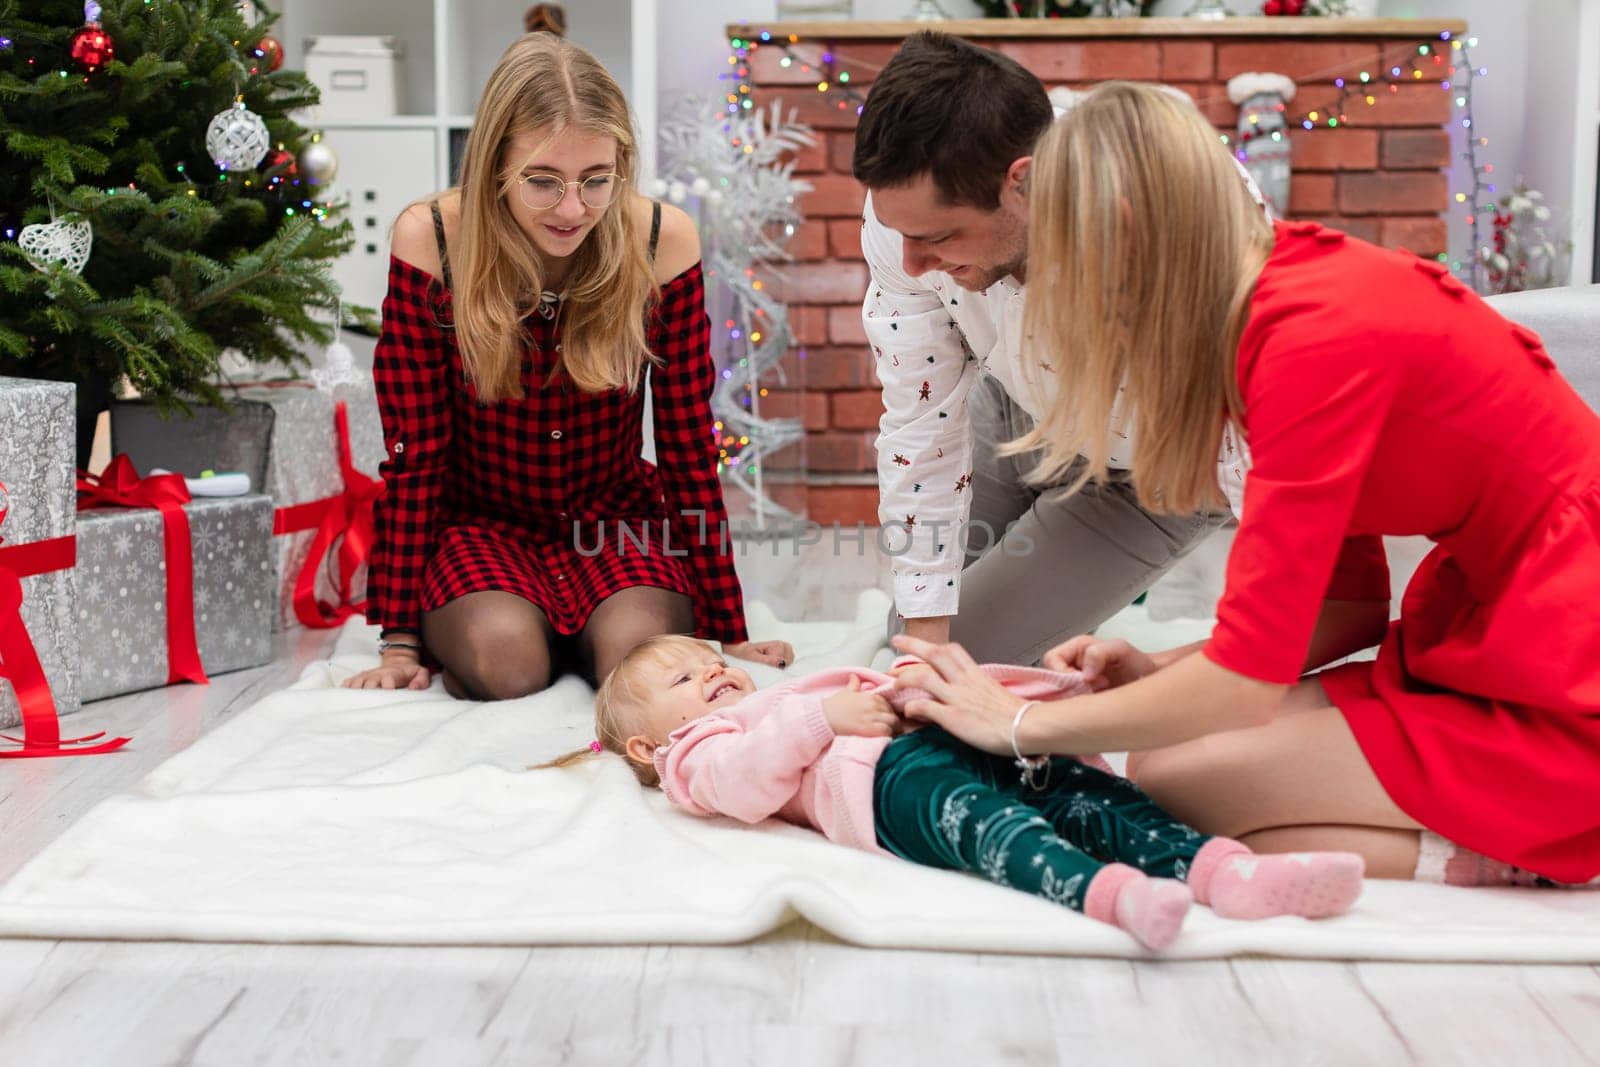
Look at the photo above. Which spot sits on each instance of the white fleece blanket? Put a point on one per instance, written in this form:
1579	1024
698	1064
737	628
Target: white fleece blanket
325	814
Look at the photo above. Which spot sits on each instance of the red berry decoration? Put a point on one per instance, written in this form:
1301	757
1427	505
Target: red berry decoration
270	49
91	48
1293	7
1272	7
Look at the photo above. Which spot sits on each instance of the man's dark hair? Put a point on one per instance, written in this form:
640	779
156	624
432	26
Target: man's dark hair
951	109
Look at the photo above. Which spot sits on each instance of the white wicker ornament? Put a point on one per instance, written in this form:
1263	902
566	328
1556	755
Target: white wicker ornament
237	138
66	243
338	362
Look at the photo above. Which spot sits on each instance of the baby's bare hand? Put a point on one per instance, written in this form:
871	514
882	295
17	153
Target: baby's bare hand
852	713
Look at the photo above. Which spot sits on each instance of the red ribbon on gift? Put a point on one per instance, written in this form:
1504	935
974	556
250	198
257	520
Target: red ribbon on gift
120	486
19	660
346	514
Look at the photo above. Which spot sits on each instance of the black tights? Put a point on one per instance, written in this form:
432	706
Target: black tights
498	646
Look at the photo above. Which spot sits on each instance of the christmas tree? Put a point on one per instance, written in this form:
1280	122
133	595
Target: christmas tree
155	136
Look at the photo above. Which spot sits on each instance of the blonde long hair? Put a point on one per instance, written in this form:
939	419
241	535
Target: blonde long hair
543	81
620	698
1144	248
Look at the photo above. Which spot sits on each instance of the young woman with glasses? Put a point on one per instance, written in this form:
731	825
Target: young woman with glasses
526	307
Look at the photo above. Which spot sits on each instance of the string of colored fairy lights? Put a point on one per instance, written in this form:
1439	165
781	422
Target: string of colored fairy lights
831	75
1366	86
1405	64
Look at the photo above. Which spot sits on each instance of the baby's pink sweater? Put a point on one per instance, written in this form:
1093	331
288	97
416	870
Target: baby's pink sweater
774	754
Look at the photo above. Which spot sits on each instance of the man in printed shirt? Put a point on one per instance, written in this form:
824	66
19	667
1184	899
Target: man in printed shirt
1006	568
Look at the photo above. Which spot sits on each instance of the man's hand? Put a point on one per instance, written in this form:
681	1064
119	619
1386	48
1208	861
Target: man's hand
934	629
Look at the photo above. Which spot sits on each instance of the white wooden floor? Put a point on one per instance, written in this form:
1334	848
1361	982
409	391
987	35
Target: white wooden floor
795	997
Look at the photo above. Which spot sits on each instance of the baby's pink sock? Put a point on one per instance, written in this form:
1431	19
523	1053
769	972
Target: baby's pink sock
1151	909
1240	884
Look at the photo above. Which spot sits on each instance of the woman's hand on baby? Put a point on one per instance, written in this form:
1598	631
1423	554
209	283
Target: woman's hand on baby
854	713
391	676
772	653
1104	664
961	697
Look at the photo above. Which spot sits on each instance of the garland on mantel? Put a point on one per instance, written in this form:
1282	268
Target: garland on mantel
1401	64
1055	9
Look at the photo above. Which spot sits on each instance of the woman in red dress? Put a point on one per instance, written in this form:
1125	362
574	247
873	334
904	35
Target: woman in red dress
1370	393
520	532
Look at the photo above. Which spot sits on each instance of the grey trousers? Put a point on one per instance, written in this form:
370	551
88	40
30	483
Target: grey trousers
1065	564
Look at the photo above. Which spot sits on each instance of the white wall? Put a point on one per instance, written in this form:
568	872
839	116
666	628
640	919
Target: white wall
1518	105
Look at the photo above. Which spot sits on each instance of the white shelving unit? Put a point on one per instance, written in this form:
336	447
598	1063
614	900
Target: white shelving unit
448	48
1586	147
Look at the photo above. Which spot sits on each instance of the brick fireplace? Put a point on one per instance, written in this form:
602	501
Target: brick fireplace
1380	176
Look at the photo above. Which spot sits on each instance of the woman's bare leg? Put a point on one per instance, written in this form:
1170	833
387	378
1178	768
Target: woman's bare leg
1389	853
1301	771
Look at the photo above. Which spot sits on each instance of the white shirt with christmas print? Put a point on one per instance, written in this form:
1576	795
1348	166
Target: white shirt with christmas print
931	339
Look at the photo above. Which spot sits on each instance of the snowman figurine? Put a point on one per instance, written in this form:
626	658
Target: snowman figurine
1262	142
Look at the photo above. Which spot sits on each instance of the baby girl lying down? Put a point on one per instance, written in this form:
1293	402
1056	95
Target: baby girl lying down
822	752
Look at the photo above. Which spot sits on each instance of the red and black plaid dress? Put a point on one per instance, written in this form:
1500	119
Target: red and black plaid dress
546	497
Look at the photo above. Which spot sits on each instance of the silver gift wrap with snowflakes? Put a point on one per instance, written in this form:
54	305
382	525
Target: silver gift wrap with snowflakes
282	435
37	466
122	591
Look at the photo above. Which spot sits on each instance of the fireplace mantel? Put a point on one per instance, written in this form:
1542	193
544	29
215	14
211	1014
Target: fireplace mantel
1299	27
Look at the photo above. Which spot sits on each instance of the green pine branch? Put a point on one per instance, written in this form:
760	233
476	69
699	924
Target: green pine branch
187	260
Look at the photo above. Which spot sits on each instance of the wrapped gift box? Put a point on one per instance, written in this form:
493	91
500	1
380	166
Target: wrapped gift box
37	466
123	594
282	435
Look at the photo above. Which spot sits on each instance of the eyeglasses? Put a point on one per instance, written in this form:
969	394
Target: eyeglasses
544	191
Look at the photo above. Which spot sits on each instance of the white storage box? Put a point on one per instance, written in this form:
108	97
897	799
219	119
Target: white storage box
357	76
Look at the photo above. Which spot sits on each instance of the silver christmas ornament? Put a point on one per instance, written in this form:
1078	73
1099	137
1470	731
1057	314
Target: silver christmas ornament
237	138
318	164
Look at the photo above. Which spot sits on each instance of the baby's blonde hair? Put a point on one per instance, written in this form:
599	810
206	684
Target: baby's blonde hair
620	698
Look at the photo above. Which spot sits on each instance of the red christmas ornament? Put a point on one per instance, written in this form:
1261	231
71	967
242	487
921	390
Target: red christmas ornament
1293	7
283	164
271	52
91	48
1272	7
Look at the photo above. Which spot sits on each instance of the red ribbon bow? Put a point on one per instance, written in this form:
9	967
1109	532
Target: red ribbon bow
347	514
19	660
121	486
